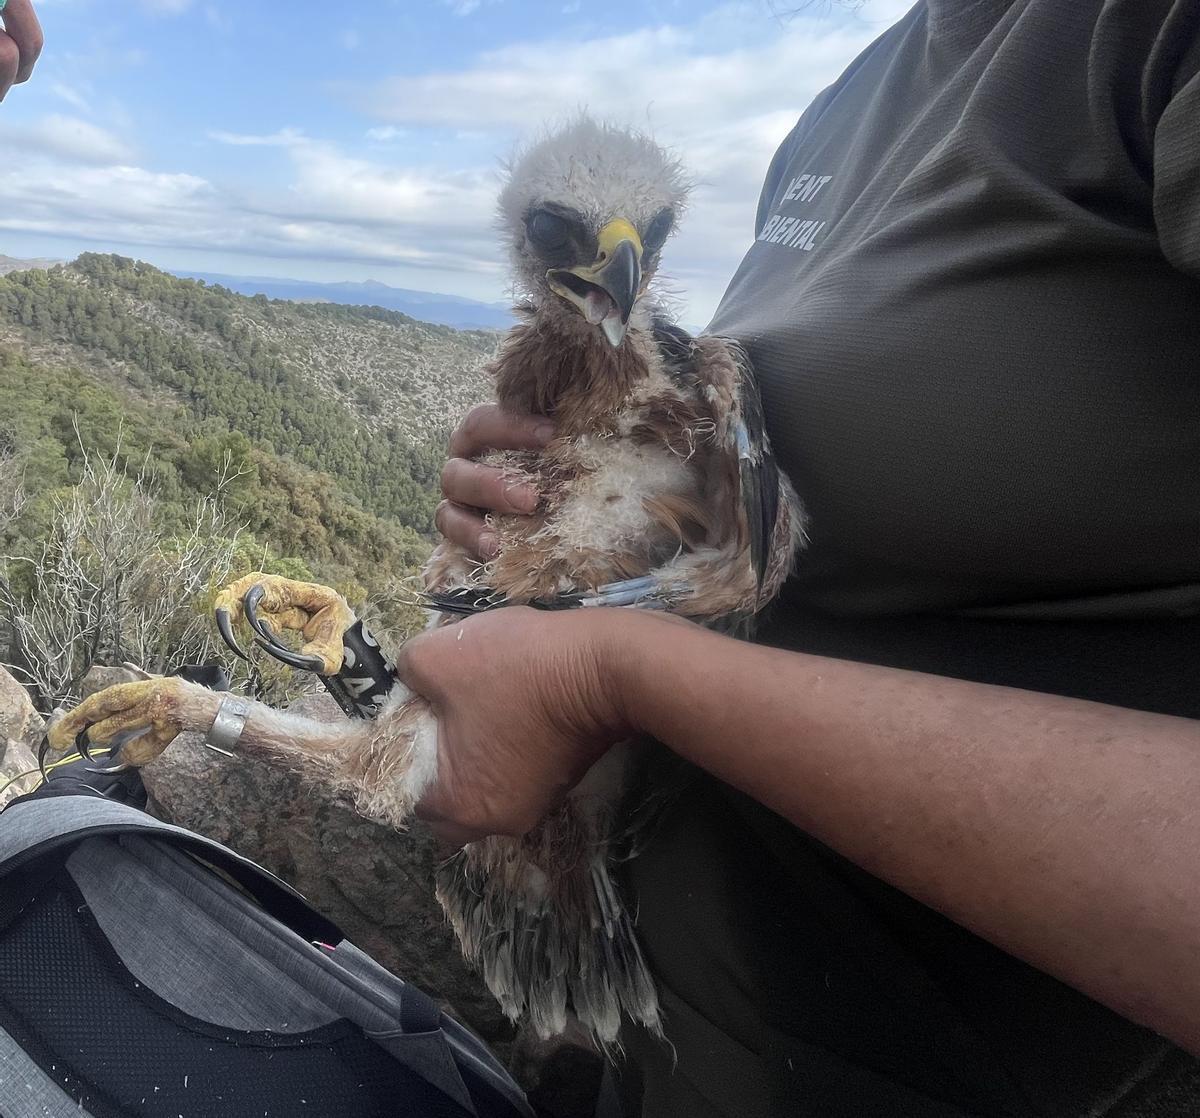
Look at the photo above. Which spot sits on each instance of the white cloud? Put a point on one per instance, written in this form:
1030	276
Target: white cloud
386	133
284	138
89	202
73	97
166	7
724	108
337	208
342	187
68	138
677	77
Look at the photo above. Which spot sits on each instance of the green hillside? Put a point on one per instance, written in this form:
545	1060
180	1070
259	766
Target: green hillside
334	417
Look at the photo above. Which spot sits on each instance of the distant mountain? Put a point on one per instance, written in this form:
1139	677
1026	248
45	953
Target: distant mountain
13	264
427	306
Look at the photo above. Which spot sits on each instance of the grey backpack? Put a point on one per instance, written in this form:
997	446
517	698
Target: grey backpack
149	972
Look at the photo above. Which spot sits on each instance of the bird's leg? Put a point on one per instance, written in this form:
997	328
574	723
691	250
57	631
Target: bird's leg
383	764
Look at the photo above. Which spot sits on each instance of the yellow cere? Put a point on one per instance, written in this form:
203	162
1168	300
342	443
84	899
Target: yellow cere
614	233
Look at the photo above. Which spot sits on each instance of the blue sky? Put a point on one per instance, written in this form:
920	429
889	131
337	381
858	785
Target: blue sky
364	140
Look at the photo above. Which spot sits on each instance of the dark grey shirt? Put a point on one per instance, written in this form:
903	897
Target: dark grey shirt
974	307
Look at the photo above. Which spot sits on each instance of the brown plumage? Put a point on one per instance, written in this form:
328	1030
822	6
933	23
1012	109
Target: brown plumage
658	491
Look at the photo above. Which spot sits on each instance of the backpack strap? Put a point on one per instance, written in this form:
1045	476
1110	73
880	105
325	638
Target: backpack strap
418	1011
33	828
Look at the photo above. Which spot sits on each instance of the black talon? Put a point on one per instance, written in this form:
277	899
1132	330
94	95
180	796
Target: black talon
114	748
295	660
83	745
264	634
265	637
112	770
225	628
43	749
250	601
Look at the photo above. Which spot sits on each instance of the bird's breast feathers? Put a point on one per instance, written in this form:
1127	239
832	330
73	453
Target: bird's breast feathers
614	503
599	492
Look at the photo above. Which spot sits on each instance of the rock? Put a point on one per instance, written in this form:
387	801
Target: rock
18	719
374	883
99	677
20	730
18	759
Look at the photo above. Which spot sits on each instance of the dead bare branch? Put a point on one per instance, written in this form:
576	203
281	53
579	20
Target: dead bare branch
111	582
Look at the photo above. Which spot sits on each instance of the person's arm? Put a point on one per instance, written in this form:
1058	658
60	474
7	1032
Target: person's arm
20	44
1065	832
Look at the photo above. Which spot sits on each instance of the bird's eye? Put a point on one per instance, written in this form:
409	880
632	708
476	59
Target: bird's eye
658	230
547	230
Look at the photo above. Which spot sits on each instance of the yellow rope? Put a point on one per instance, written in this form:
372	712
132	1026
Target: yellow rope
37	772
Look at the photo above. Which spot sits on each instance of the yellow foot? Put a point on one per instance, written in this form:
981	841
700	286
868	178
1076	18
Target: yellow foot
270	604
156	710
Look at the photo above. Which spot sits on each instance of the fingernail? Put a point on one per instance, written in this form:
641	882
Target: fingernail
488	545
544	432
521	497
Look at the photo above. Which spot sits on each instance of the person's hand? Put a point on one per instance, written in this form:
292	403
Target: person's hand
526	701
20	44
472	489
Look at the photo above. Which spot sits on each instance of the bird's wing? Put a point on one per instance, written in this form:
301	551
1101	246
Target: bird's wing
462	600
722	370
466	600
757	473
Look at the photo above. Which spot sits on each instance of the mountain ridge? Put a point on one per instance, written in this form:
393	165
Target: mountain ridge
15	264
457	311
438	308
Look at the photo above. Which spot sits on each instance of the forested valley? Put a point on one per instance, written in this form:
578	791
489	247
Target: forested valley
159	436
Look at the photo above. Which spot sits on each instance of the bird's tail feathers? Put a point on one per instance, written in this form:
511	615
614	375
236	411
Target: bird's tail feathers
550	942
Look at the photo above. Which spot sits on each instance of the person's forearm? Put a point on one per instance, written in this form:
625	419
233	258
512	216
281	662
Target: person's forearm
1066	832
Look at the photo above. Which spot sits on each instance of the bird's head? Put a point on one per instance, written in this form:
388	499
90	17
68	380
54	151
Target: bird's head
586	211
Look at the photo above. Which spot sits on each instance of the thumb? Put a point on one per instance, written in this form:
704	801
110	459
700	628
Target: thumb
410	665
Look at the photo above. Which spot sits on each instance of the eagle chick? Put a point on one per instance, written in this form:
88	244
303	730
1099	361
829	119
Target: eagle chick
658	491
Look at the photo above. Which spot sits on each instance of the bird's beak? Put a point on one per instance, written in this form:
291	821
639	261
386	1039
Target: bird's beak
605	290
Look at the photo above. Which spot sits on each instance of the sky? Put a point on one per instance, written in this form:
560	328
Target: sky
366	140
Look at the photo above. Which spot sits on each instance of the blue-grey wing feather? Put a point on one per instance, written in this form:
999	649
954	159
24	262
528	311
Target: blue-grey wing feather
757	471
